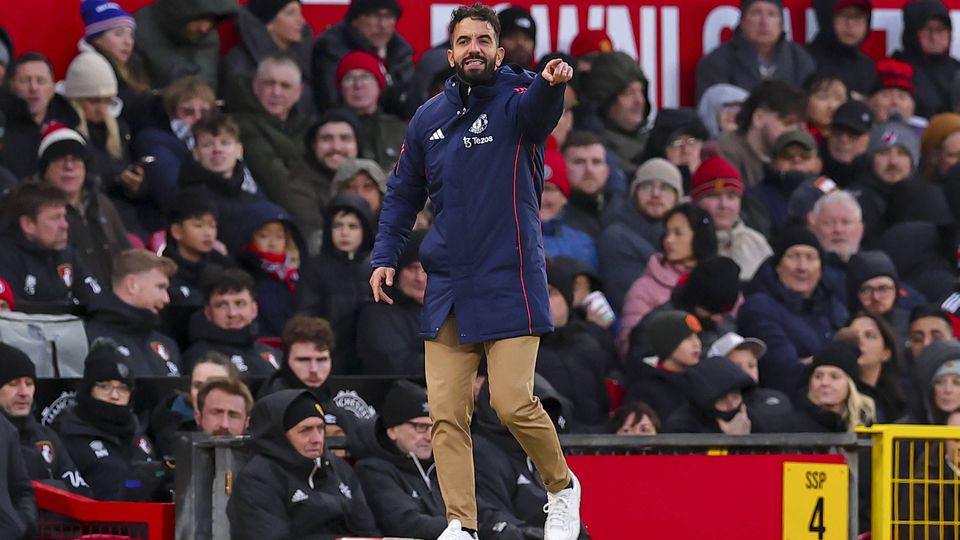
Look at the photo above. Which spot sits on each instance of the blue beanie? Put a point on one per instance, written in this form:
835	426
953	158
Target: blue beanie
100	16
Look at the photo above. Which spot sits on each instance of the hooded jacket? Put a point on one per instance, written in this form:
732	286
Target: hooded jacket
167	51
483	253
712	102
792	327
646	293
390	344
21	136
403	492
665	391
148	352
240	345
933	75
849	64
710	380
45	456
922	256
281	495
18	509
924	368
96	231
335	284
44	277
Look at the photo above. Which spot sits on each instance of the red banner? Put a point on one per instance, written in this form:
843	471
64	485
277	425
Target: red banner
666	36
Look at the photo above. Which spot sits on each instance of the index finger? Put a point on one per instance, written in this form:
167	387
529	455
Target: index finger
553	63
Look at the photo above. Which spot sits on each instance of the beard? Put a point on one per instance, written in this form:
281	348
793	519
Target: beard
483	77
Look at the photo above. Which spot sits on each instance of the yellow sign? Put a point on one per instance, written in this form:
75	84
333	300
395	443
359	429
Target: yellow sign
815	501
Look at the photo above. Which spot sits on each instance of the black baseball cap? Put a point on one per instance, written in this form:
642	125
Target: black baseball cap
853	116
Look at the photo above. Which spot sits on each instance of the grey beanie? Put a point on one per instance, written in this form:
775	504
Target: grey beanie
895	132
351	168
658	169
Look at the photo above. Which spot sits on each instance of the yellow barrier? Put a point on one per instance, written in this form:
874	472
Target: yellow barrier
915	488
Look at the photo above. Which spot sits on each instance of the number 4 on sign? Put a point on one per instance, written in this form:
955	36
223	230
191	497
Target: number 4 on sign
815	503
816	520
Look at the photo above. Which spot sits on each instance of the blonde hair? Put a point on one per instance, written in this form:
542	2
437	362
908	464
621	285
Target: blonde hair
139	261
113	130
859	409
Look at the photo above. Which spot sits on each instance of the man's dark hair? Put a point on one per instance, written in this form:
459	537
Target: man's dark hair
29	56
227	385
775	96
345	116
639	409
577	139
190	204
304	329
929	310
478	12
216	123
29	197
229	280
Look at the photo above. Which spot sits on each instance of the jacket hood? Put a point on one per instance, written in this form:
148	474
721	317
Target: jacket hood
915	15
202	329
925	366
713	101
714	377
259	213
669	124
268	436
173	15
826	36
355	204
254	37
109	310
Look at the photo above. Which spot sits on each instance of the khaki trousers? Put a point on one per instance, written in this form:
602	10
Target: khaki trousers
451	370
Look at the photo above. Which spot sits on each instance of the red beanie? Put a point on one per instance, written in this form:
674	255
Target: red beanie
590	41
555	171
714	176
6	293
894	74
361	60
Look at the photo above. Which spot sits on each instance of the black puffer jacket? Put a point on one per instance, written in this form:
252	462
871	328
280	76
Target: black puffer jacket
932	74
391	343
43	276
240	345
849	64
22	135
282	495
46	457
148	352
711	379
575	364
18	509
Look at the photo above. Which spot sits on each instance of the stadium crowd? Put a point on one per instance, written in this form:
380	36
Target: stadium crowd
782	257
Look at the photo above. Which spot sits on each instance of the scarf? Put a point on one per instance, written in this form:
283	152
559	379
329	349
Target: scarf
276	265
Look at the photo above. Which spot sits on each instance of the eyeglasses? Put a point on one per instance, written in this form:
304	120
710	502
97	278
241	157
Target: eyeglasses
882	290
421	427
108	388
689	141
654	186
192	111
361	77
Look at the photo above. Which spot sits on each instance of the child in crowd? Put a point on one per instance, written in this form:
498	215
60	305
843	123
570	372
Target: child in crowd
660	381
272	256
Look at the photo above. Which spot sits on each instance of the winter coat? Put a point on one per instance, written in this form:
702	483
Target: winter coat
22	135
834	59
254	43
737	62
342	38
932	75
665	391
169	152
623	249
625	149
792	326
712	102
186	291
591	214
559	239
45	456
575	365
483	252
382	137
647	292
107	168
745	246
240	345
44	277
735	148
810	418
639	346
923	257
168	54
272	148
403	492
924	368
306	195
387	339
97	233
708	381
18	509
148	352
774	191
103	458
281	495
172	414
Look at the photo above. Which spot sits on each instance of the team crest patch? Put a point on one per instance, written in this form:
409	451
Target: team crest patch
270	358
144	444
46	451
66	274
479	125
99	450
160	349
350	401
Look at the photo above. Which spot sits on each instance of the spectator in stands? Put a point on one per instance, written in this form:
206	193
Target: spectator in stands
168	139
102	433
392	344
589	304
130	315
560	239
936	378
716	187
177	38
335	283
844	151
794	162
718	108
177	412
928	324
625	246
925	503
370	26
772	108
227	325
29	103
759	50
617	88
571	359
292	487
843	27
271	255
830	401
879	365
7	53
308	344
518	36
894	92
824	94
96	233
837	222
223	407
360	83
18	508
587	45
674	340
634	418
36	260
394	454
940	149
790	307
217	174
365	178
591	205
273	124
331	142
677	135
44	455
265	28
109	30
926	46
8	180
874	286
717	405
689	237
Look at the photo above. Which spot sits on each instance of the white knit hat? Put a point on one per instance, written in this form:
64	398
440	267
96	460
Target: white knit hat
90	75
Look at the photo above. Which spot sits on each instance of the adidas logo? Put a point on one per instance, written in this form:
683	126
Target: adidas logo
437	135
522	480
298	496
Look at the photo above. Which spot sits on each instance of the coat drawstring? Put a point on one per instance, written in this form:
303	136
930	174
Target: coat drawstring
316	467
423	474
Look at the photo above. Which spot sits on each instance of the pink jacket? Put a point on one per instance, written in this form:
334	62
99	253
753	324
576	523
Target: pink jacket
648	292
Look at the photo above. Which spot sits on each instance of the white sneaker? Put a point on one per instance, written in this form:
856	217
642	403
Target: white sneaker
563	513
454	531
